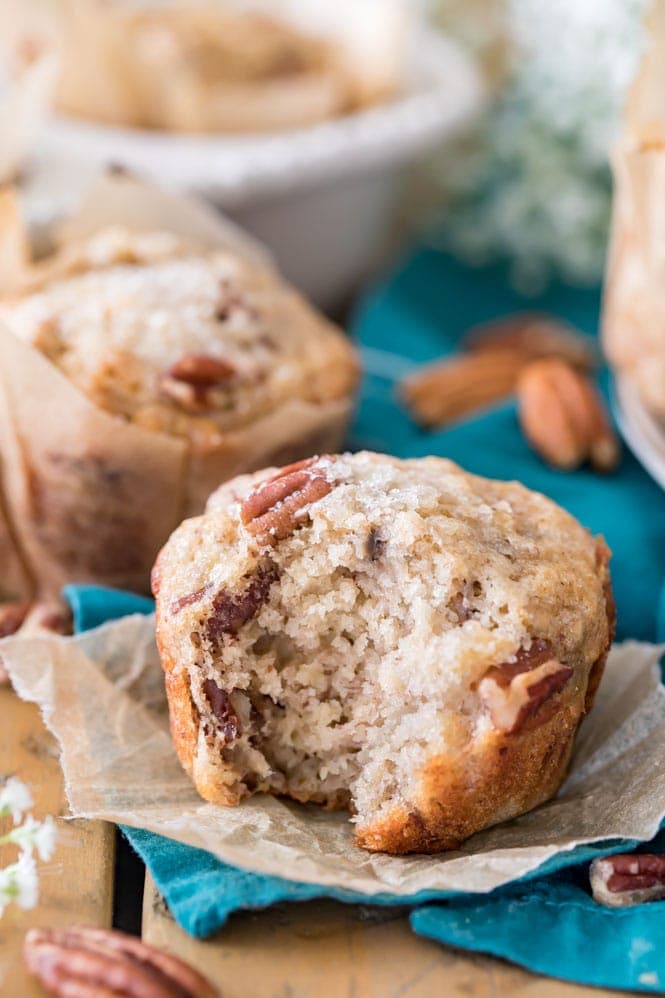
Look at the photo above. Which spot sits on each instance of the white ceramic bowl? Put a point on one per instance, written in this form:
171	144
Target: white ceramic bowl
321	198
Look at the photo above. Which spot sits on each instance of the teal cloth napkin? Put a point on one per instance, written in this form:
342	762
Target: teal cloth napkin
420	315
544	922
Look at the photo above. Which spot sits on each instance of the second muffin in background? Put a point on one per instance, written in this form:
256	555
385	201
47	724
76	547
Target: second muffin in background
140	369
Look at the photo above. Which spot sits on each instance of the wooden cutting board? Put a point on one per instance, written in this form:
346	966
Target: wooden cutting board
318	949
323	949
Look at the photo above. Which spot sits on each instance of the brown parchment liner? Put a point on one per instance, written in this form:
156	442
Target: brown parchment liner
102	694
91	497
634	302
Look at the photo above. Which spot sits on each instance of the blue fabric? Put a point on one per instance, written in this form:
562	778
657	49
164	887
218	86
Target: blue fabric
543	924
200	890
420	315
554	927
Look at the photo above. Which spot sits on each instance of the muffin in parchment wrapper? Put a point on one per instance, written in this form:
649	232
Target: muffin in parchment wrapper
634	305
100	461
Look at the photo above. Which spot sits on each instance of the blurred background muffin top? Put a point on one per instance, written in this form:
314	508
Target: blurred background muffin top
199	65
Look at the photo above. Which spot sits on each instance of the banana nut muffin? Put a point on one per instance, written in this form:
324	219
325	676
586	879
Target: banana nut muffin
139	371
188	342
399	638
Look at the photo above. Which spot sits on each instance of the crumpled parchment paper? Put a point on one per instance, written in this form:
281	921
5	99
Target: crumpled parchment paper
101	693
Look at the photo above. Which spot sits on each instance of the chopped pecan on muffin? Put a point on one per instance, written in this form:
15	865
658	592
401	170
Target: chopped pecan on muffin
400	638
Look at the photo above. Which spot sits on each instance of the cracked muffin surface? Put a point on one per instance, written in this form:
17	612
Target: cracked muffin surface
176	338
400	638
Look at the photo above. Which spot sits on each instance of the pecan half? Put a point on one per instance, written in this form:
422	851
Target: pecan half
87	962
535	335
563	417
12	616
230	611
195	380
513	692
220	704
627	879
276	507
446	392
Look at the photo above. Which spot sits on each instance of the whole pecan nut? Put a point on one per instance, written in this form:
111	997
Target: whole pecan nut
627	879
513	692
196	381
276	507
564	418
536	335
448	391
88	962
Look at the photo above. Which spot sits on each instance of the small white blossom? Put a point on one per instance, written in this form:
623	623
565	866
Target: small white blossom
15	799
32	834
537	187
18	883
45	839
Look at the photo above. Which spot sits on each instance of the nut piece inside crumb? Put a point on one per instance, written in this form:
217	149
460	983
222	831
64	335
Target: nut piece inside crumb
513	692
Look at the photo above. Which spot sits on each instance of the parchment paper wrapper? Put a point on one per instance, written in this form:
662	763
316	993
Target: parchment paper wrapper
102	695
634	307
91	497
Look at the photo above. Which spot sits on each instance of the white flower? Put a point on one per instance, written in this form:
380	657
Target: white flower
15	799
32	834
45	838
18	883
538	187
